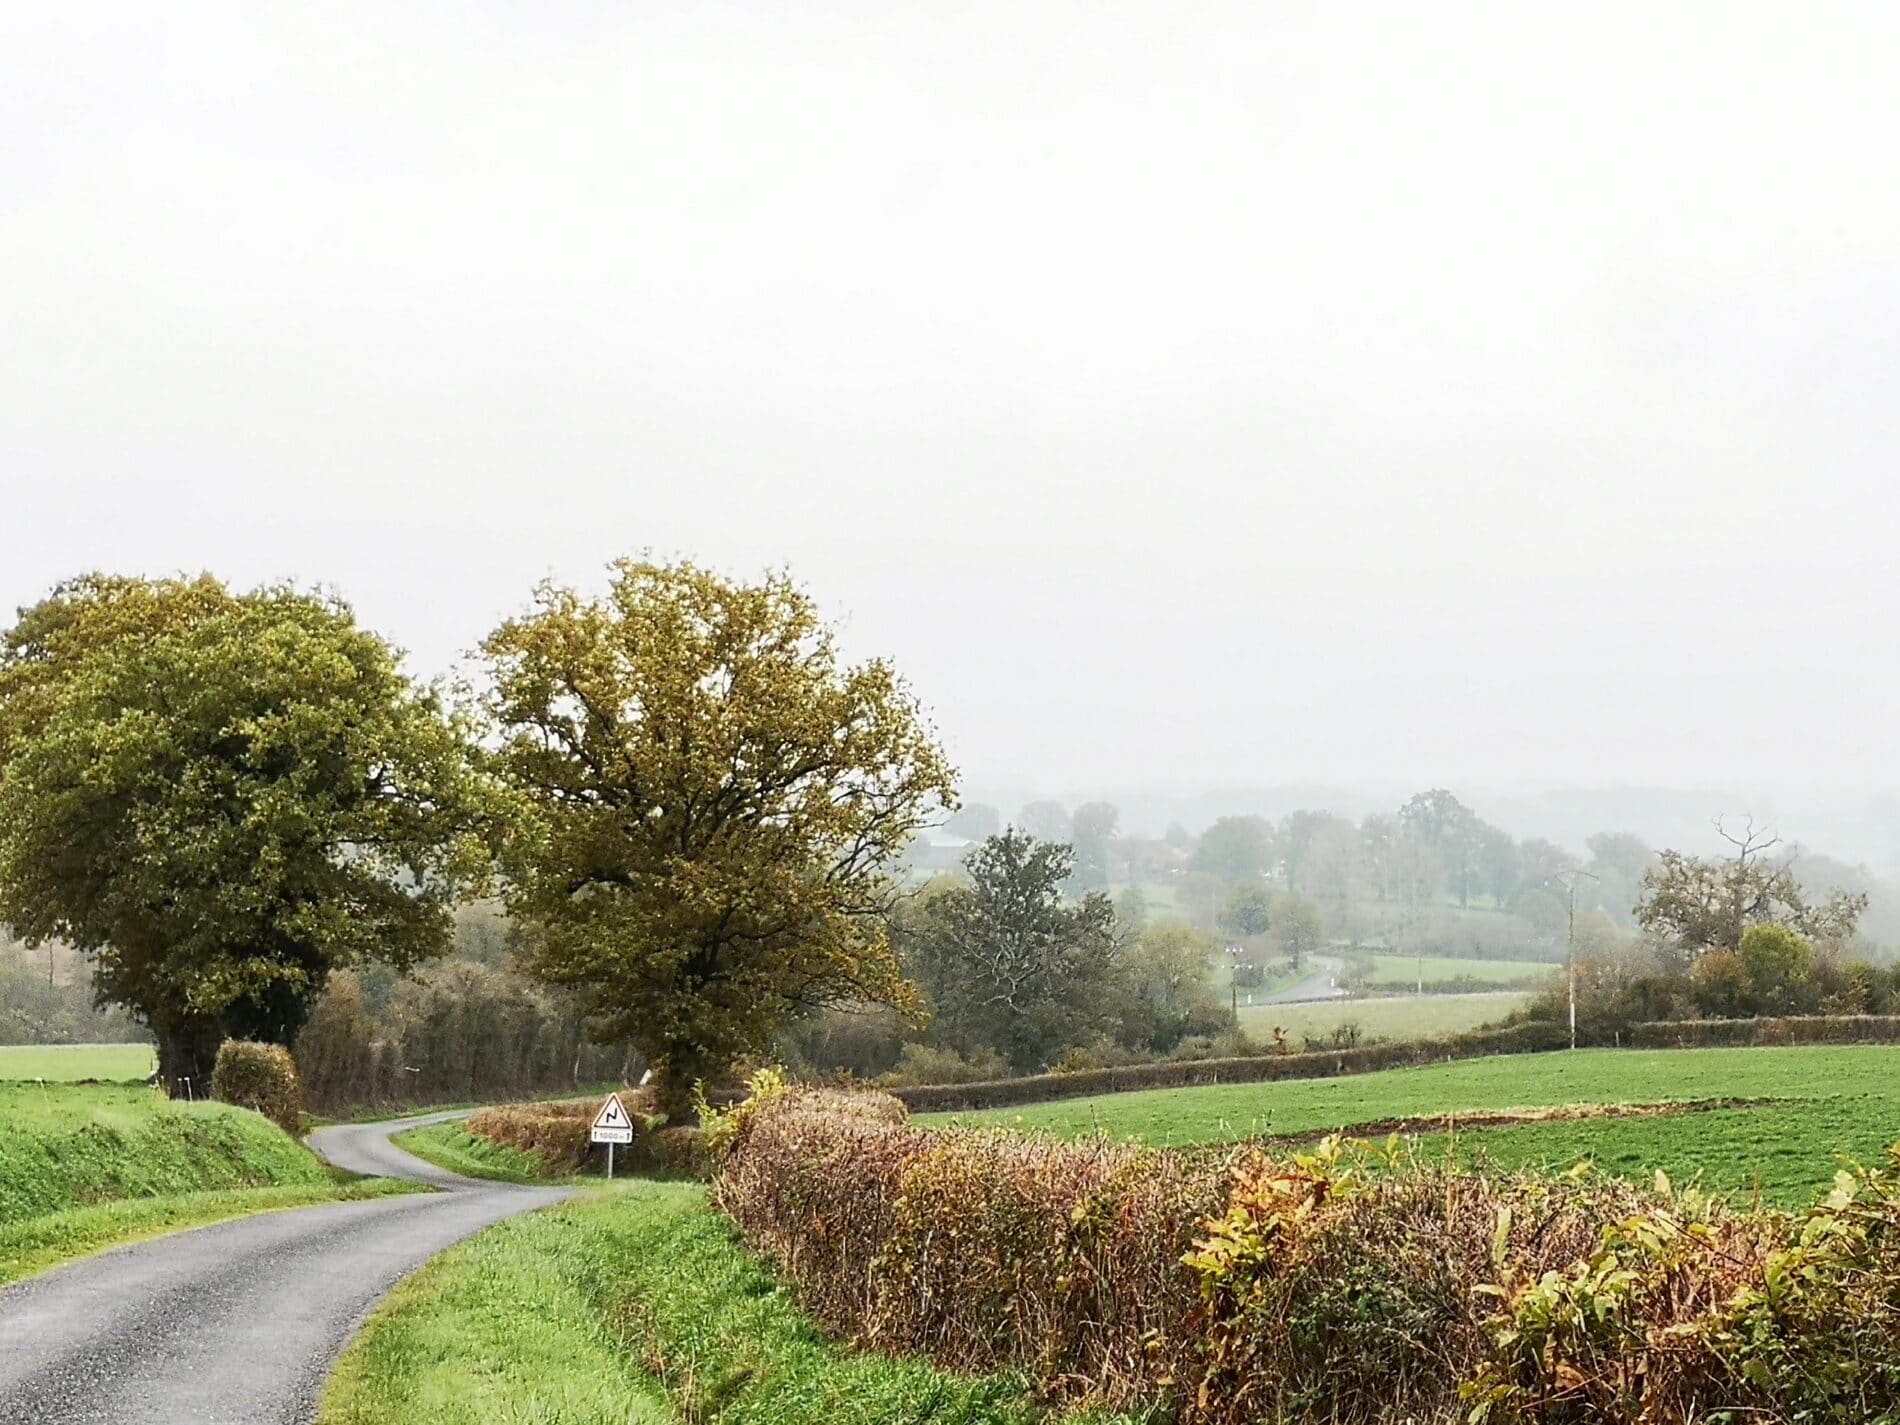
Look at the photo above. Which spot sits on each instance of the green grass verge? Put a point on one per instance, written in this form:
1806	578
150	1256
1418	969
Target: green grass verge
39	1243
69	1063
1407	1017
64	1146
635	1305
451	1146
1834	1100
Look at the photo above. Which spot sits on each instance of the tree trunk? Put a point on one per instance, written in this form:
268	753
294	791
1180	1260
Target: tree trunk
187	1052
674	1078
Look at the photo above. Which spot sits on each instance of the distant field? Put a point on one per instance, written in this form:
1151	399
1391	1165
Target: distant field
1395	1017
1404	971
1829	1100
115	1063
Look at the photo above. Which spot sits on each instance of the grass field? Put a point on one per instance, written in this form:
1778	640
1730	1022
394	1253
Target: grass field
1828	1100
69	1063
1403	971
635	1305
1385	1017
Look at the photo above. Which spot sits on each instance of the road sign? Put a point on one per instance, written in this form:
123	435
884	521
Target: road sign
611	1124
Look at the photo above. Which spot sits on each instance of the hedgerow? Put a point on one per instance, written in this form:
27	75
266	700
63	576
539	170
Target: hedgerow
1793	1029
1351	1283
557	1133
1529	1037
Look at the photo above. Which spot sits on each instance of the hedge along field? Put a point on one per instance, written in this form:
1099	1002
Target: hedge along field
1830	1099
1344	1286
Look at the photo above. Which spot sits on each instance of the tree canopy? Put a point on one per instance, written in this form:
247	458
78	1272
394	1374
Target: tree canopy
222	797
1699	904
716	800
1007	963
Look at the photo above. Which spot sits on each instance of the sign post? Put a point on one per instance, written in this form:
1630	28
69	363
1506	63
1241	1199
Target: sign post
611	1126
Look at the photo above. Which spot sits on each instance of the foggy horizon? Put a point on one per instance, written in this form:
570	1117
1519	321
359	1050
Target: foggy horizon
1180	400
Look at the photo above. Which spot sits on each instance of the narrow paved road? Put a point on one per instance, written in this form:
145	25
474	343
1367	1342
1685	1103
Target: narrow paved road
1321	982
238	1323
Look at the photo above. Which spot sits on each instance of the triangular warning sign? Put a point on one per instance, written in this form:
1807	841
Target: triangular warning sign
613	1114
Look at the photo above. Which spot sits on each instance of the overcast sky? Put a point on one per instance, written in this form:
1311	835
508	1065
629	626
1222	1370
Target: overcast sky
1178	393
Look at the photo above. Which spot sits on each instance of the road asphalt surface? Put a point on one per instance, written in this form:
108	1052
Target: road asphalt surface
1321	982
238	1323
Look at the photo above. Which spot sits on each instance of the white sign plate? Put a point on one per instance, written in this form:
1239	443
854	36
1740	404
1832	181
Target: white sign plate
611	1124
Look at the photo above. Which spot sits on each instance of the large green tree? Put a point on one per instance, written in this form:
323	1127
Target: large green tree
717	799
1235	848
1697	904
1008	964
220	798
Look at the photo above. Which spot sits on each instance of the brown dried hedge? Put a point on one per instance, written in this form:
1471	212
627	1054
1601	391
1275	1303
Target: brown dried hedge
556	1132
1349	1284
262	1077
1530	1037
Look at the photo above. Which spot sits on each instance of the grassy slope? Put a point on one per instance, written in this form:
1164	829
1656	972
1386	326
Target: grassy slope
83	1167
1409	1017
630	1306
1849	1102
66	1146
110	1063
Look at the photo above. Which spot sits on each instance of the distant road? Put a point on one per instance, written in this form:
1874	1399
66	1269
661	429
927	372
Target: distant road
238	1323
1321	982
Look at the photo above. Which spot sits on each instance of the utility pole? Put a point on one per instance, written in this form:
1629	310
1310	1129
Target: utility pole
1568	879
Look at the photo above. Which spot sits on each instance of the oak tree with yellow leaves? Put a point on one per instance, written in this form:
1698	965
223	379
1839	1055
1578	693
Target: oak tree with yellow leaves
717	803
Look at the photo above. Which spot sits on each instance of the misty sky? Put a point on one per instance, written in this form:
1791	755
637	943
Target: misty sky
1178	393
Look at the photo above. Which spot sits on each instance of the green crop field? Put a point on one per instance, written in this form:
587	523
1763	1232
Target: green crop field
1826	1101
1404	971
1390	1017
109	1063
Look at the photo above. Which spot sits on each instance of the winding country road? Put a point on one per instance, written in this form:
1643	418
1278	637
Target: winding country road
237	1323
1321	982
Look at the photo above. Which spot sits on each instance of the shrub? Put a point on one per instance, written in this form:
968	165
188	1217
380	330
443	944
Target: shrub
679	1153
556	1133
934	1064
260	1077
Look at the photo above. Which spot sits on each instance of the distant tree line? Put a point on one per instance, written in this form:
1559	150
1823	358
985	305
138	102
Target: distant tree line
1735	937
1432	876
46	997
